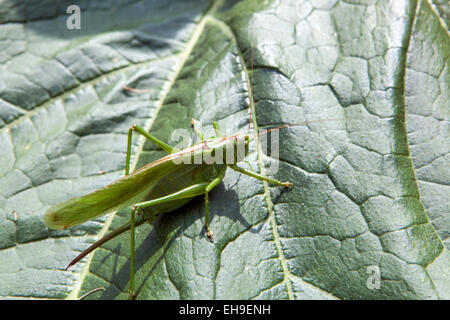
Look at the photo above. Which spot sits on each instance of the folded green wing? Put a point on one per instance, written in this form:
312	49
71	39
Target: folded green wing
121	193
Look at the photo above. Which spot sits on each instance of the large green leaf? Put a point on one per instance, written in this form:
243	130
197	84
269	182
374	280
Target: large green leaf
371	180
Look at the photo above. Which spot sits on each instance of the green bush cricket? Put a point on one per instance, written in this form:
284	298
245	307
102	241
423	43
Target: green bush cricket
161	186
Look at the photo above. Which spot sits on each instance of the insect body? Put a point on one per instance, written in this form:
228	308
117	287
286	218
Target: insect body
161	186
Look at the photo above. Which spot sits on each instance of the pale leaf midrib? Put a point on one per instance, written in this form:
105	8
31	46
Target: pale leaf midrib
269	203
183	56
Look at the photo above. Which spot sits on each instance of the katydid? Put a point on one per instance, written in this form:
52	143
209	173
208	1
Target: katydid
160	186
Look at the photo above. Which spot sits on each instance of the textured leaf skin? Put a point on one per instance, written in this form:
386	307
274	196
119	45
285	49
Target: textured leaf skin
370	191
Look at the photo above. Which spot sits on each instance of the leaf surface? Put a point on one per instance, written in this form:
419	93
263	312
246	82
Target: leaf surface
369	168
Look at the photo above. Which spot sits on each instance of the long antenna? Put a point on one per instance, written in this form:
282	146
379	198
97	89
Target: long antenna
251	91
305	123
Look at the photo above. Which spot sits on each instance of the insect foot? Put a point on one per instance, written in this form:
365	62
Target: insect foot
210	235
288	184
138	210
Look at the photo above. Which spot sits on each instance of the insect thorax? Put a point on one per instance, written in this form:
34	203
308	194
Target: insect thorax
229	150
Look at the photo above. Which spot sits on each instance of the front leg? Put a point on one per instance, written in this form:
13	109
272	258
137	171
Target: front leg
258	176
